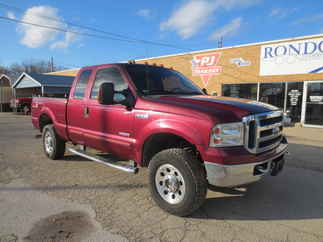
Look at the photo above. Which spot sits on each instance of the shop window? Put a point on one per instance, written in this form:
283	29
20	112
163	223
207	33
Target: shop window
248	91
314	104
272	93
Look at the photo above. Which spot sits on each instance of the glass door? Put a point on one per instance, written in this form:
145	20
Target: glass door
294	100
314	104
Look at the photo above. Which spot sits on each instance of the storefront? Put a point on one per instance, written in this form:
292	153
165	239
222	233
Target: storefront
285	95
285	73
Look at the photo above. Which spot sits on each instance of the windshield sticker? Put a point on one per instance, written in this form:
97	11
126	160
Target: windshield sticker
206	65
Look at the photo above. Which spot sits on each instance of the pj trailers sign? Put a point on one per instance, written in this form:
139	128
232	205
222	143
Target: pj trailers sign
296	57
206	65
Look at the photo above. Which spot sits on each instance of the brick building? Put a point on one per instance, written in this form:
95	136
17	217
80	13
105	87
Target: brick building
286	73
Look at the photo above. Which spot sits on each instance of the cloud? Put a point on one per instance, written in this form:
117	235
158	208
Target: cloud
69	38
309	19
281	12
35	37
276	12
191	16
11	15
227	30
146	13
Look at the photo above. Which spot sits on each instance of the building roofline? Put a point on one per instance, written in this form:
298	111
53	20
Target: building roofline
25	74
235	46
74	69
4	75
68	86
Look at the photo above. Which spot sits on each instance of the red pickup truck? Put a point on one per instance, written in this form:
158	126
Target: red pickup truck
21	104
155	117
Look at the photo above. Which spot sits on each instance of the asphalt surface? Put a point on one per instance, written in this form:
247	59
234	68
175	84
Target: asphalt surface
77	200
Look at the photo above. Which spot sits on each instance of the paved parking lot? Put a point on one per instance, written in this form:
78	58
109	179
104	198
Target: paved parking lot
74	199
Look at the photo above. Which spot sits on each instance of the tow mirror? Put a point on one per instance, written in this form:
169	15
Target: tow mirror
106	93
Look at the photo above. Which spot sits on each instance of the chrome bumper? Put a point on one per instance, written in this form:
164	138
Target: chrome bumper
235	175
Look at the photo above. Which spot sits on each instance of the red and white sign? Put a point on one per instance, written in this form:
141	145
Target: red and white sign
206	65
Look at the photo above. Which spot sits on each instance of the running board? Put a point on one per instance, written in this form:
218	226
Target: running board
129	169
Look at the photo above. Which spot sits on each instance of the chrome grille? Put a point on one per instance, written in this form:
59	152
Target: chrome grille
263	131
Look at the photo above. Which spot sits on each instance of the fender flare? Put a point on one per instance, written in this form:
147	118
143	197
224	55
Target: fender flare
177	128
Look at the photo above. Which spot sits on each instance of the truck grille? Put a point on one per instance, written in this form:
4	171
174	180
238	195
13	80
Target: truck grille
263	131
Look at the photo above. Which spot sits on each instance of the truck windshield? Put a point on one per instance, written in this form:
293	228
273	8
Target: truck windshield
153	80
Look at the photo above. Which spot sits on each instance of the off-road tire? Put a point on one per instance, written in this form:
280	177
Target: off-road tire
58	144
192	172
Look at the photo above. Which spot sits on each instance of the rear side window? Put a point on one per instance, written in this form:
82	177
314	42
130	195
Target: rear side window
111	74
79	90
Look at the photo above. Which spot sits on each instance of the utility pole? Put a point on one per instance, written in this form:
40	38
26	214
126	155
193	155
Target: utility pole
52	64
220	42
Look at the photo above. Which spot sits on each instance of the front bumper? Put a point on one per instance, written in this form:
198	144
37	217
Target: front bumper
240	174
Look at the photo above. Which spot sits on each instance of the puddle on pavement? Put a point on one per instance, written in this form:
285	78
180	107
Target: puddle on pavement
67	226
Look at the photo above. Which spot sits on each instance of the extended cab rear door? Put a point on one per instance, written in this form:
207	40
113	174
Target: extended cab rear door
109	127
76	107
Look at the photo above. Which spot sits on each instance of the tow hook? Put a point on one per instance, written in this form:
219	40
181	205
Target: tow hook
277	166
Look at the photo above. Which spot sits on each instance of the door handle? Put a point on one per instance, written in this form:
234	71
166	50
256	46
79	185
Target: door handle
86	112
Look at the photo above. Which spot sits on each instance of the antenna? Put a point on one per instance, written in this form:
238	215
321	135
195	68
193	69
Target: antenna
52	64
220	42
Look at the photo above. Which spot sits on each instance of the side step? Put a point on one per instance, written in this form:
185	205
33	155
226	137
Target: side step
129	169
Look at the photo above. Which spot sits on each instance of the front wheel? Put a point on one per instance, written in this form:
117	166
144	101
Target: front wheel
177	181
54	146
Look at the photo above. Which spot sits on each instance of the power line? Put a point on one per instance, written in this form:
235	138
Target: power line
118	37
63	30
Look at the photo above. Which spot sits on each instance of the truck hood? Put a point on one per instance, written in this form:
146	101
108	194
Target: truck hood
224	109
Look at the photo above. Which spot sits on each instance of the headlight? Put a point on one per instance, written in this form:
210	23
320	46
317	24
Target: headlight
229	134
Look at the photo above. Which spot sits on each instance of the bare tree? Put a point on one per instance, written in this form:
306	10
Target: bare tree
30	66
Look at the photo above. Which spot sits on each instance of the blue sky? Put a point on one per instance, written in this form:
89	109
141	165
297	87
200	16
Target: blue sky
188	24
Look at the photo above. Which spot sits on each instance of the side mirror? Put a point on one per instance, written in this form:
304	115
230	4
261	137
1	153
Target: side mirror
106	93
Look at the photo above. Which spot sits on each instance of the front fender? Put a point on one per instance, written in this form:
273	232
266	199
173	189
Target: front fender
193	135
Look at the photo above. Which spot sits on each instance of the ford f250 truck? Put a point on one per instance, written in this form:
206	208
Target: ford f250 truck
155	117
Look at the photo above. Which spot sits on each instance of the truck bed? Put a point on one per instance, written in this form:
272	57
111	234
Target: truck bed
53	107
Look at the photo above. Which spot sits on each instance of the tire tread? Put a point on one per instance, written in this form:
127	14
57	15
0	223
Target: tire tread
195	167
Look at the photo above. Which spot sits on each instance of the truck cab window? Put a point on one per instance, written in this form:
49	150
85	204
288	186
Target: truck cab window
79	90
108	75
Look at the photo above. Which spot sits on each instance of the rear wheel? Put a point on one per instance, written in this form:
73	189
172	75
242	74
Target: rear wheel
177	181
54	146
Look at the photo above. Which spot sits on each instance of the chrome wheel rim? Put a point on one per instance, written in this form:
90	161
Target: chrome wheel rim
49	146
170	184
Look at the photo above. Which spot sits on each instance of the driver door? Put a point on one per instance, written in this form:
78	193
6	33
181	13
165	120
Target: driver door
109	127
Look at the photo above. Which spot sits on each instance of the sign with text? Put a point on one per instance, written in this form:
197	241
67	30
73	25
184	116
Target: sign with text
206	65
294	95
295	57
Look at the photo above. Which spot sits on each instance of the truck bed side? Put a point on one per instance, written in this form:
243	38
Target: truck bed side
53	110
